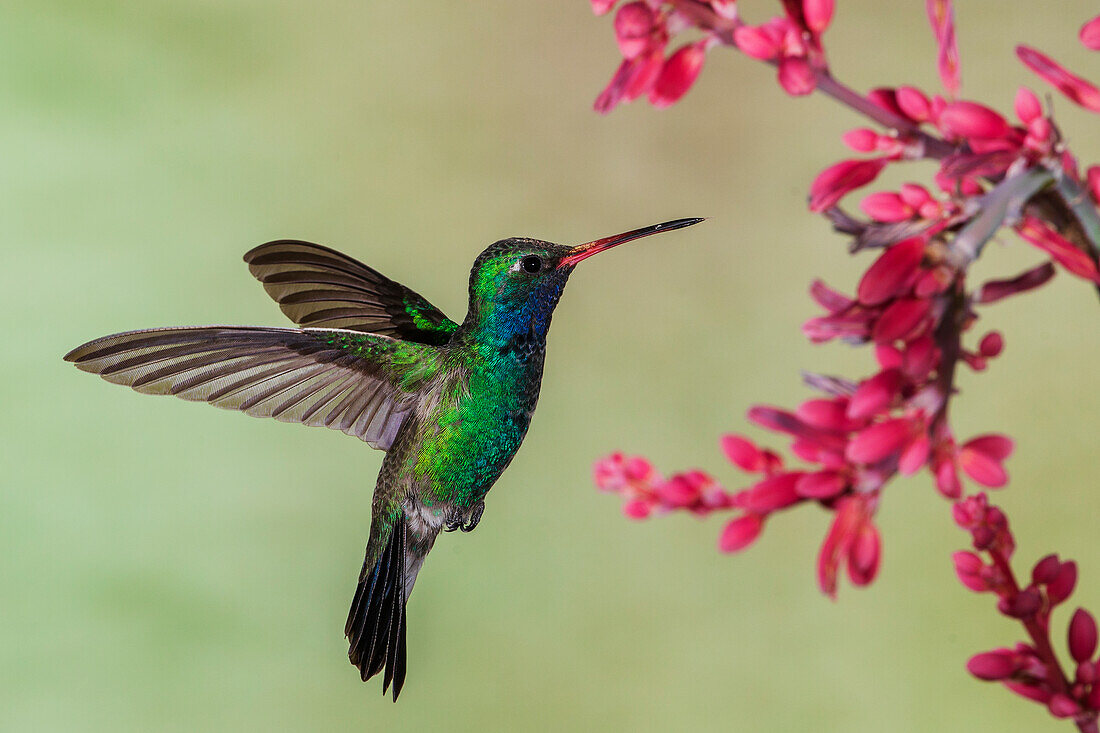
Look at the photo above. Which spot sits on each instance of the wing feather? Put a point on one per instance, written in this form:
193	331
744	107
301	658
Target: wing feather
319	287
340	379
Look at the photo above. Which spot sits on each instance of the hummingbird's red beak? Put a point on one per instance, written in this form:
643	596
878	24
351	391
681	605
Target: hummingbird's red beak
584	251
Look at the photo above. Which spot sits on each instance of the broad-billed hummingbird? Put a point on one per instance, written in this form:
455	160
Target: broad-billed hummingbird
448	402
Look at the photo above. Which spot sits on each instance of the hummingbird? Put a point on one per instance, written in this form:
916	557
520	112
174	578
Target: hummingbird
448	402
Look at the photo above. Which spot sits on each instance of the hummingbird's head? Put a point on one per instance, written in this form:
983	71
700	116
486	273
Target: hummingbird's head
516	283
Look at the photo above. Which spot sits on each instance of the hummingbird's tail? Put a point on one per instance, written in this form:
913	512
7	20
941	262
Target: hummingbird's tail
376	622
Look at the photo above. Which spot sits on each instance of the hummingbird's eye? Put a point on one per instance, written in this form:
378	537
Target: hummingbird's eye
531	264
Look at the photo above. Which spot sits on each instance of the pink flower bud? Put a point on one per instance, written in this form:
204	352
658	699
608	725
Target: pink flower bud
796	76
772	493
991	345
637	509
931	282
865	554
602	7
678	74
1062	705
1093	175
875	394
825	414
743	453
835	181
997	447
888	356
914	456
968	568
901	319
1023	605
992	666
913	103
971	120
1077	89
886	206
1090	34
818	15
982	469
878	441
1082	635
1046	570
759	42
861	139
1061	587
821	485
740	533
947	479
892	273
678	492
635	28
1027	105
914	194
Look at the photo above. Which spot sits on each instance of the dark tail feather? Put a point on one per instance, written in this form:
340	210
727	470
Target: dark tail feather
376	623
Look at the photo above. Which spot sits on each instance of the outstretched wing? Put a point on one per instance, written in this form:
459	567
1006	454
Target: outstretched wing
317	286
362	384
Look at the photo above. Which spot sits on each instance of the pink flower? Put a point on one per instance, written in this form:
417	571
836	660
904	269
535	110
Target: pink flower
861	140
913	103
1077	89
818	14
876	394
1028	108
835	181
969	568
740	533
760	42
678	74
637	509
821	485
982	459
971	120
1090	34
602	7
902	319
638	30
991	666
633	78
796	76
1062	586
865	554
942	17
743	453
1082	635
852	537
991	345
879	441
892	274
886	206
775	492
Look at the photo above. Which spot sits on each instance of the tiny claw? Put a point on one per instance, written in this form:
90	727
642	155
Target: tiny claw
475	517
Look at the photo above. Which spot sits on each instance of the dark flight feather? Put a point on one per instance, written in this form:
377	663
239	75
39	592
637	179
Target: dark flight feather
318	286
376	623
336	379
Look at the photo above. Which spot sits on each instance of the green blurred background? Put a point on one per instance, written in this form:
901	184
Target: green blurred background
170	567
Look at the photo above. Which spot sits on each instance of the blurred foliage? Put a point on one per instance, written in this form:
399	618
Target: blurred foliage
170	567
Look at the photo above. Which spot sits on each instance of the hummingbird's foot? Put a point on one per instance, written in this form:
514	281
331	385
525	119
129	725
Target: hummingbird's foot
475	517
452	524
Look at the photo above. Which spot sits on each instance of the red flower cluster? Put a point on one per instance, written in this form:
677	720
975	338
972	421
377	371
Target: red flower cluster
913	305
1030	669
